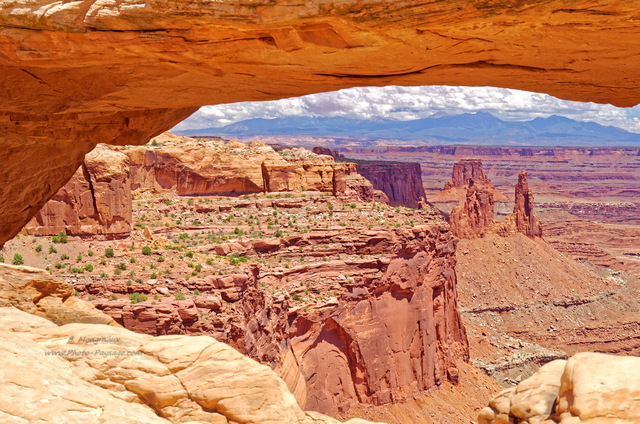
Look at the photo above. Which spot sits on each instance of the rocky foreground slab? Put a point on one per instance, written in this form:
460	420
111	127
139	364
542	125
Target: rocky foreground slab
588	388
83	372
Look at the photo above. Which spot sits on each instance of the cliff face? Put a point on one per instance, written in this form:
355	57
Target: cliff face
96	201
347	310
475	217
523	220
78	73
75	352
466	170
401	182
223	168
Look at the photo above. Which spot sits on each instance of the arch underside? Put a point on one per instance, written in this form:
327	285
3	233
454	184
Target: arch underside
82	73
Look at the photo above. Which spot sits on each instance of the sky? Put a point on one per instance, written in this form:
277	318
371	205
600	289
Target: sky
405	103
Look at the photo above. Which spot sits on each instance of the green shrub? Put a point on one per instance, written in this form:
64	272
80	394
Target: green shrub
90	253
52	249
189	254
160	258
108	252
103	275
39	248
88	267
17	259
60	238
64	256
154	275
296	297
180	296
137	297
196	292
146	250
121	266
132	260
235	259
77	270
198	268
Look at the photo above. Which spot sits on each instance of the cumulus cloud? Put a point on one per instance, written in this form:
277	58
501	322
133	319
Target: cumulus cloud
405	103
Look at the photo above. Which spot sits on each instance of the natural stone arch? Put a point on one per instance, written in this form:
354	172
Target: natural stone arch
74	74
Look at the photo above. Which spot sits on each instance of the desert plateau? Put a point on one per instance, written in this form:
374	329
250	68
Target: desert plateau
276	212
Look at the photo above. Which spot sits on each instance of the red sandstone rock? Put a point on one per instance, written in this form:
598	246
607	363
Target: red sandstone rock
70	83
394	333
320	150
523	220
401	182
475	216
466	170
97	199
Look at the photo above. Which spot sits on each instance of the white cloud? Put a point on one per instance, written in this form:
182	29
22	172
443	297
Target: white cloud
404	103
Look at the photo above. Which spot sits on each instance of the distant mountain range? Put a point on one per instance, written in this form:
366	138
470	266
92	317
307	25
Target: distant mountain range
479	128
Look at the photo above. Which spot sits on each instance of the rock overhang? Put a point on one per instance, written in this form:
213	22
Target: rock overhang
78	73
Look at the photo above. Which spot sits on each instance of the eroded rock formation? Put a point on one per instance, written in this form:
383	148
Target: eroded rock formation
588	388
523	220
123	376
346	315
97	199
466	170
78	73
475	217
222	168
401	182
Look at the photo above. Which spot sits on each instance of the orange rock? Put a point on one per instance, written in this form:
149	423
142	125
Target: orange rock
400	182
523	220
475	216
74	76
97	199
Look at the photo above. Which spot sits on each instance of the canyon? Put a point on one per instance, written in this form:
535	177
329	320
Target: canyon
77	74
289	277
320	284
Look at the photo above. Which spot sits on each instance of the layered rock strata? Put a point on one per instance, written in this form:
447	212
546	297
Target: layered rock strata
475	217
401	182
523	220
466	170
345	315
233	168
96	201
83	371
